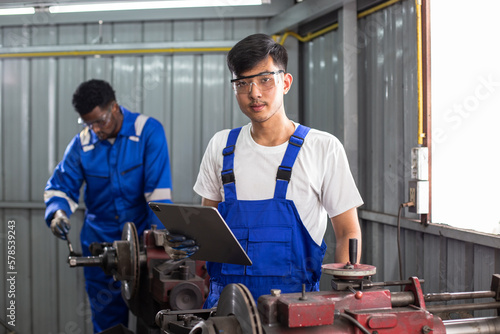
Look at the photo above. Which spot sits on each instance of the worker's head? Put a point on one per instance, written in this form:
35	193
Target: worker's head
250	51
258	66
95	101
91	94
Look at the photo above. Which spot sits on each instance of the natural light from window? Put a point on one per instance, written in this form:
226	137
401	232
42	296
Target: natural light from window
465	65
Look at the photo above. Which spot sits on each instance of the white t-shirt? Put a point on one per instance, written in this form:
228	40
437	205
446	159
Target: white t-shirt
321	180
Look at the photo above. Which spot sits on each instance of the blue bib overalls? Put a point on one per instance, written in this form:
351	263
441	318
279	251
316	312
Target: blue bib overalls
283	254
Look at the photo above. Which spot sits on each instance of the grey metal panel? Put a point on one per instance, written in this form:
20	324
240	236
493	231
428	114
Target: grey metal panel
411	261
387	108
127	71
72	34
390	266
459	265
153	86
16	130
483	268
393	152
185	130
99	68
23	289
349	31
42	94
157	31
15	37
127	32
431	258
157	77
70	74
44	286
320	100
43	35
127	82
292	98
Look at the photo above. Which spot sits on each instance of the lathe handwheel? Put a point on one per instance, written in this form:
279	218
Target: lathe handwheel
130	284
357	272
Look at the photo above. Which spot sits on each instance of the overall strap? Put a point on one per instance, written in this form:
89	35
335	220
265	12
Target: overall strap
285	170
227	173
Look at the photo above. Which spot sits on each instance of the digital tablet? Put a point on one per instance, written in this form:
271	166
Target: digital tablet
205	225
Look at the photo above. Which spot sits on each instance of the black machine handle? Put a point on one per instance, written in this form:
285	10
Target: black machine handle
353	250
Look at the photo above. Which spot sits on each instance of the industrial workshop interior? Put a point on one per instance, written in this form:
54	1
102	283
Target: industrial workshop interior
410	88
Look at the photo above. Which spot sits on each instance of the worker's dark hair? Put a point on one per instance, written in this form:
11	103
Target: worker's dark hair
251	50
91	94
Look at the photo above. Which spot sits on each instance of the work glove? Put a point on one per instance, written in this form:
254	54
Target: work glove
60	224
178	247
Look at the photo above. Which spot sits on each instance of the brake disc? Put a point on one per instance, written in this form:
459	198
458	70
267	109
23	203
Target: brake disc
130	259
237	300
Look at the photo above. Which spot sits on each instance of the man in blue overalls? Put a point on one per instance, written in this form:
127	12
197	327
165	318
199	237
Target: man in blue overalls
274	181
122	157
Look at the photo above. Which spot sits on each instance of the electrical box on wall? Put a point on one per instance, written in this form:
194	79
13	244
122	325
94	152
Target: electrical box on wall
419	195
420	163
419	184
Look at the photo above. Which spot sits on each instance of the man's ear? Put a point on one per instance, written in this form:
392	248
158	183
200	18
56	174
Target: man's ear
287	82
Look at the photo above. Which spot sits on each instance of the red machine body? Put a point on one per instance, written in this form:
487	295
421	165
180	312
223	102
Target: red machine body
334	312
150	280
177	286
353	306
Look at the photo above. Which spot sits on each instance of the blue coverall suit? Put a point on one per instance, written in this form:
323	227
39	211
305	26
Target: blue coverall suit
283	254
120	179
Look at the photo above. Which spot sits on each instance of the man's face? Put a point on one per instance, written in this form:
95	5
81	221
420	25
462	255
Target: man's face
105	122
260	101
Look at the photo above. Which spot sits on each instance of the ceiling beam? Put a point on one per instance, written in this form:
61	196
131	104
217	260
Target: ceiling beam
192	47
301	13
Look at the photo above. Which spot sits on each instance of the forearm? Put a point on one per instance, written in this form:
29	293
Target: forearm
209	202
346	226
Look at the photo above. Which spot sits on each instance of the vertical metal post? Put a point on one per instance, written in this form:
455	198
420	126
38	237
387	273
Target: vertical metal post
348	26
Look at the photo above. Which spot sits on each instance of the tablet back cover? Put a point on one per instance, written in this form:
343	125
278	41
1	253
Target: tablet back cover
206	226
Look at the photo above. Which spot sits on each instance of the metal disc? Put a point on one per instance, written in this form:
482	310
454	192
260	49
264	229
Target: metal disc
130	283
237	300
358	272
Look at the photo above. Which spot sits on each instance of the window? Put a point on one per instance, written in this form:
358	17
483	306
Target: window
465	74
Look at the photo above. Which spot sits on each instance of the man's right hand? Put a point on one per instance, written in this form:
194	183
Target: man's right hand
178	247
60	224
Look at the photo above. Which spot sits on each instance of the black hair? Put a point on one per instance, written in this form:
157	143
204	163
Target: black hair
91	94
251	50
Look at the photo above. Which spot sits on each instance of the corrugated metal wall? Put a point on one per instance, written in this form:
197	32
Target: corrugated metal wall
190	95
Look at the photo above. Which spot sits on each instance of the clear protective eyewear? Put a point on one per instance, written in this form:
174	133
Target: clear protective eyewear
264	81
101	122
